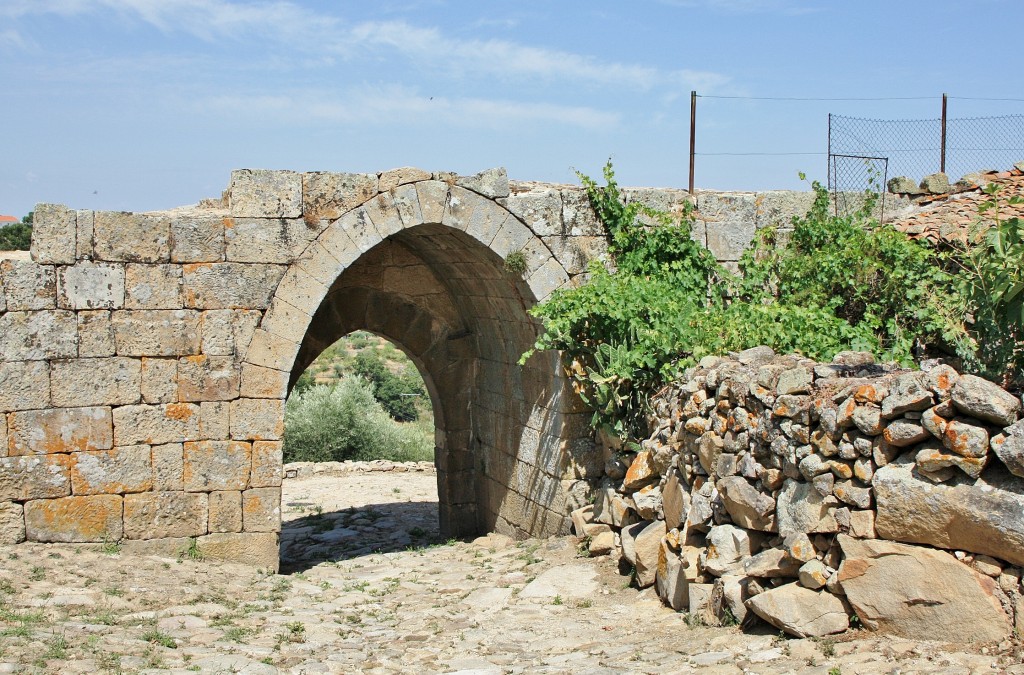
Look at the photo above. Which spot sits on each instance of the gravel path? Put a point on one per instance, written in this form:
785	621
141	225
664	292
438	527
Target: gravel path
367	587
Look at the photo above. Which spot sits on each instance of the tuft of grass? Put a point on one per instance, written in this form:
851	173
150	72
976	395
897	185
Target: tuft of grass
192	551
158	637
515	262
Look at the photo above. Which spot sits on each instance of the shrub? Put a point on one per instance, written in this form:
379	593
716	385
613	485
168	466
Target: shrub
16	237
346	422
397	393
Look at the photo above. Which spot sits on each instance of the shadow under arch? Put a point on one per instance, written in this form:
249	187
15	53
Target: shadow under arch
423	266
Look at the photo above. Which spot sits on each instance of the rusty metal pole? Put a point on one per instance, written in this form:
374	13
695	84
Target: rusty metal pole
942	162
693	128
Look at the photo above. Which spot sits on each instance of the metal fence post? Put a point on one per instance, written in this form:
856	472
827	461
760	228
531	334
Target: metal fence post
693	128
942	161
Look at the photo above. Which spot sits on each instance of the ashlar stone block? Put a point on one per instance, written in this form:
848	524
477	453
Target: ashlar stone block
392	178
329	195
230	285
74	519
539	209
156	515
117	471
35	477
261	193
225	511
156	424
259	419
84	231
156	332
168	467
267	464
261	510
227	332
217	465
153	287
95	334
195	240
214	420
259	549
208	378
91	285
24	385
132	237
12	523
103	381
27	285
60	430
268	240
159	380
54	231
260	382
35	336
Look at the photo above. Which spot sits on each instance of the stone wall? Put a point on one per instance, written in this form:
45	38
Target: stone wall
805	494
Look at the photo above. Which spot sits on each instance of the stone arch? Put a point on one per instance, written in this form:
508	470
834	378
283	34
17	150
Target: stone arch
423	265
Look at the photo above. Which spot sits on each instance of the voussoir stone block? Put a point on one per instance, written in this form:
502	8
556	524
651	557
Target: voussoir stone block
329	195
117	471
207	378
91	285
216	465
24	385
27	285
54	232
260	419
103	381
230	285
35	477
74	519
156	424
60	430
156	515
35	336
132	237
261	193
156	332
261	510
433	195
260	382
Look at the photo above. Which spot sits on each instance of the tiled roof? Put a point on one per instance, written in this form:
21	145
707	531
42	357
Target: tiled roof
949	218
8	219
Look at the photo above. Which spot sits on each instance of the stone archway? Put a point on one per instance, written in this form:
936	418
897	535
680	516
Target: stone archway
145	358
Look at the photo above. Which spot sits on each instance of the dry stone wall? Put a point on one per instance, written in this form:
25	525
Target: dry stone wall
805	494
145	357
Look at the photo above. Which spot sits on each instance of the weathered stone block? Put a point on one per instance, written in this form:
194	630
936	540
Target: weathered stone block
168	467
260	382
159	380
86	382
578	216
271	351
267	464
54	231
196	240
35	477
268	240
303	291
225	511
207	378
286	320
214	420
257	419
155	515
95	334
132	237
259	549
433	194
261	193
35	336
74	519
12	523
27	285
216	465
261	510
230	285
90	285
24	385
547	279
153	287
172	332
540	209
117	471
84	234
227	332
60	430
800	611
3	435
392	178
156	424
329	195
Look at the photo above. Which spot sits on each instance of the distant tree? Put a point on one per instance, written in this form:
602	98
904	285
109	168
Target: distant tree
304	382
397	393
17	237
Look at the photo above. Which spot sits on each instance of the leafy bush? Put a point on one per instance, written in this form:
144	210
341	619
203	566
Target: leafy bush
16	237
839	283
345	421
397	393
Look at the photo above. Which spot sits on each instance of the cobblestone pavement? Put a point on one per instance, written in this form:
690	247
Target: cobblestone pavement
367	587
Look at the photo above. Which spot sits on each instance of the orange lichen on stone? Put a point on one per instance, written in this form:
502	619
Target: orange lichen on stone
74	519
180	411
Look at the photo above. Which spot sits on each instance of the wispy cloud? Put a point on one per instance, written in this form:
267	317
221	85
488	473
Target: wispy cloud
395	104
307	31
748	6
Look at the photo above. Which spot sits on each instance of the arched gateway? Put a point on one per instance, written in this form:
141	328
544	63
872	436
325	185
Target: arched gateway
146	357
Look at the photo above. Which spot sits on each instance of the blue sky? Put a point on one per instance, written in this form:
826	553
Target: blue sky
148	104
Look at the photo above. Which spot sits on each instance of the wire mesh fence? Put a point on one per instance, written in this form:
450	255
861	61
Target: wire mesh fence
850	175
916	148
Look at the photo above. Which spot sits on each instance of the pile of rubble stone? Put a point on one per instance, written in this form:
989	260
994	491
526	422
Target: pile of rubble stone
816	496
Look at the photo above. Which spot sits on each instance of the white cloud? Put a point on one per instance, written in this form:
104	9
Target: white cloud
747	6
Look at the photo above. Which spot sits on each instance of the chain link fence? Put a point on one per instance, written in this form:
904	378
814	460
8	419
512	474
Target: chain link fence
858	149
